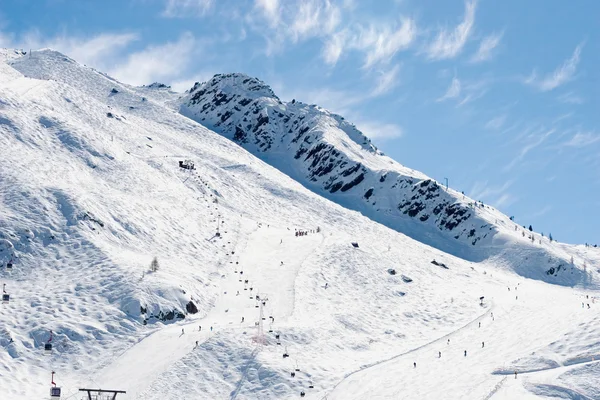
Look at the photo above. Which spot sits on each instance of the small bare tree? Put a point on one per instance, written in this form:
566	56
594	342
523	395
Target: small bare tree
154	265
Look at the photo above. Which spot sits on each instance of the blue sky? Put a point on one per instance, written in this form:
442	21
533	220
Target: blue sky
500	97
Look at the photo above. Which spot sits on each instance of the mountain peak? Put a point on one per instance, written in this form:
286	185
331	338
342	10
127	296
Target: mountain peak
233	83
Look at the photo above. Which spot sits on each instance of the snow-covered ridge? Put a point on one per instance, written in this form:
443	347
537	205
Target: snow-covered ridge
330	156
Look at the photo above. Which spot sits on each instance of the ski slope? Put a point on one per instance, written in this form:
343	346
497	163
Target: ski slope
92	191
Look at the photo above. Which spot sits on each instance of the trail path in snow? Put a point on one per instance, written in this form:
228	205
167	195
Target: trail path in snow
260	261
517	329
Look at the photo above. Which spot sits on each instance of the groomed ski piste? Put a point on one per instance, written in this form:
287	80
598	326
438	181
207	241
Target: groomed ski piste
91	191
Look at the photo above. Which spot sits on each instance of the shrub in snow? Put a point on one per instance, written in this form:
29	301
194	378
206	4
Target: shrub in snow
154	265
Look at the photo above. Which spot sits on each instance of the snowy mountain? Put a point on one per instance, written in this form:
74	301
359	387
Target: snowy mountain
329	156
99	177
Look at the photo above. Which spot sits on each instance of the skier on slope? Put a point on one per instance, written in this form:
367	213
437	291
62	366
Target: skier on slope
415	364
482	345
199	328
439	354
465	353
242	319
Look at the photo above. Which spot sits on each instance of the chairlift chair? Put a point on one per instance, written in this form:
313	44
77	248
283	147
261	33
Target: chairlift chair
5	298
48	348
9	265
293	374
55	393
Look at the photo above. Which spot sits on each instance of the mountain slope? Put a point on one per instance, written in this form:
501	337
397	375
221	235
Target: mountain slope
329	156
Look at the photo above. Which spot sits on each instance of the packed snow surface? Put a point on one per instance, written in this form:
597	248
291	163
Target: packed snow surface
265	289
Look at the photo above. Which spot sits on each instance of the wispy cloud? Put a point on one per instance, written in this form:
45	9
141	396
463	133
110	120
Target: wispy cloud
561	75
293	21
486	48
162	62
545	210
99	51
333	47
571	98
386	81
582	139
381	42
449	42
497	195
187	8
314	18
496	123
533	140
378	130
378	42
270	10
453	90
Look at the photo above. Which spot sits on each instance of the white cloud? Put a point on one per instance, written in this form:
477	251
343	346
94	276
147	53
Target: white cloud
505	200
582	139
534	140
453	90
386	81
381	42
98	51
381	131
450	42
280	22
181	85
571	98
560	76
270	10
187	8
333	47
496	123
314	18
497	195
541	212
486	47
295	21
156	63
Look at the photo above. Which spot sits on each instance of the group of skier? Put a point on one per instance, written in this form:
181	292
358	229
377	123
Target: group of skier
306	232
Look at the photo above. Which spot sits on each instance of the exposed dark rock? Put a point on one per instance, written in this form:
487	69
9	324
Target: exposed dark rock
191	307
